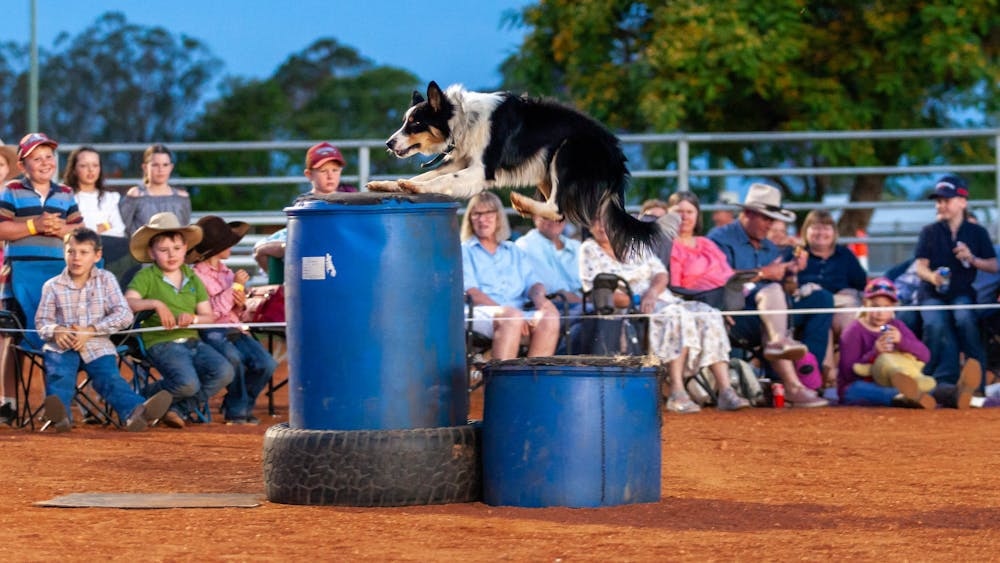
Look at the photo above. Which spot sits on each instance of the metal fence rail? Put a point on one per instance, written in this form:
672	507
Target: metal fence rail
684	169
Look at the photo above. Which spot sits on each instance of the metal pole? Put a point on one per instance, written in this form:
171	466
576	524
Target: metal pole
364	166
683	166
996	178
33	71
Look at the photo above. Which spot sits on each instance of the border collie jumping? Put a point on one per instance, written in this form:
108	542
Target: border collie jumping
500	140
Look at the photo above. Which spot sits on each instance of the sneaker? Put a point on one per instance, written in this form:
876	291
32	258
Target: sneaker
54	415
968	382
681	403
787	349
910	390
8	414
803	397
730	401
172	419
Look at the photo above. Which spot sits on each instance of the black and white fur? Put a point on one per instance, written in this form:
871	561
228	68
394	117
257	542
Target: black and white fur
499	140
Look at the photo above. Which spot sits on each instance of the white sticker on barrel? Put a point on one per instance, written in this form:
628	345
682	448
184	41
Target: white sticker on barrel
313	268
330	268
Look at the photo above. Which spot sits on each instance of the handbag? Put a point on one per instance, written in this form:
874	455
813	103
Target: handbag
265	304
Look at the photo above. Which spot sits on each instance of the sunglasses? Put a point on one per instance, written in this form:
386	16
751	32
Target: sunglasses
881	286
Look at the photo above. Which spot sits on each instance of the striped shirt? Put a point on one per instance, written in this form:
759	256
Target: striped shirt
19	202
99	303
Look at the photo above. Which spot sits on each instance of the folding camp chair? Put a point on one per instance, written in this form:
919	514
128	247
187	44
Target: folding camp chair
603	330
477	345
26	280
274	337
132	354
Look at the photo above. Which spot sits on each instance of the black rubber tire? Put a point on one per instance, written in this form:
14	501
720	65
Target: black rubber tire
373	467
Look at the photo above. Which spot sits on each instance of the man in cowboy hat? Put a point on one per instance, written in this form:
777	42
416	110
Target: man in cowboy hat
191	369
746	246
251	362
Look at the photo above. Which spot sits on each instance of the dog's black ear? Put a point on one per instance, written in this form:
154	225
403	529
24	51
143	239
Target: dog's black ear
434	96
416	99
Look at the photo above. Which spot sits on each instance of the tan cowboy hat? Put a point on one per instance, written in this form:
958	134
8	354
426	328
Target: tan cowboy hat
766	200
163	222
217	235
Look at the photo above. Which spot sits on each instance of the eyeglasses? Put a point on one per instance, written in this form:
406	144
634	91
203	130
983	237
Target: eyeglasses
480	214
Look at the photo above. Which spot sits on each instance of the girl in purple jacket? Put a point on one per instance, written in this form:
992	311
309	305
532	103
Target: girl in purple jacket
881	360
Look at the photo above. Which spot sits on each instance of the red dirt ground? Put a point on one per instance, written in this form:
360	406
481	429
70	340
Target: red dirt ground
836	483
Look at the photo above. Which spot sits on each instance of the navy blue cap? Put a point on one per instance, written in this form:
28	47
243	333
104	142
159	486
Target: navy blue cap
949	187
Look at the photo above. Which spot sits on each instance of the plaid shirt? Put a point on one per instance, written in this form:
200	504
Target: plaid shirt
99	303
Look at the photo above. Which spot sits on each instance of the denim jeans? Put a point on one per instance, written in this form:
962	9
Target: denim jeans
947	333
190	370
61	369
813	328
252	365
866	393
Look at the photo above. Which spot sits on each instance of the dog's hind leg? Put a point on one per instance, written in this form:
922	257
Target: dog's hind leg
529	207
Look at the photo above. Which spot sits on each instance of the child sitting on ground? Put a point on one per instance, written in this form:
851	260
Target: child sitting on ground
79	308
251	362
881	360
191	370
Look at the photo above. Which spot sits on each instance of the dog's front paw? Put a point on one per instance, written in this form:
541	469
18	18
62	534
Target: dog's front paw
382	186
408	186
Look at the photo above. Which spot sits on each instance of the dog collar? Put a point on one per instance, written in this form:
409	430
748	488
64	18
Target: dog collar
437	159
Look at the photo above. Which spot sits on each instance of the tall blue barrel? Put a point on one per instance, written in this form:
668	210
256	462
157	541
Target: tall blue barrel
374	311
582	432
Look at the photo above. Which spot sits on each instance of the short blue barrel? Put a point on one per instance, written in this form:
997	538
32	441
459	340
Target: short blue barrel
373	300
576	432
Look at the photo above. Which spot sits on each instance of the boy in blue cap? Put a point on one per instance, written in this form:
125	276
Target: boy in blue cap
964	248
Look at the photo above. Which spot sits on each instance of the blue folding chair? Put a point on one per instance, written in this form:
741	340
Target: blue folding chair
26	280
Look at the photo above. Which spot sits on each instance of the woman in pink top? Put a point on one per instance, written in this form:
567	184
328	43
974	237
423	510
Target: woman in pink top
696	263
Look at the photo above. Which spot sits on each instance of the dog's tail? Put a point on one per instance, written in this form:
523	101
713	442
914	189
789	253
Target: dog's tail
626	233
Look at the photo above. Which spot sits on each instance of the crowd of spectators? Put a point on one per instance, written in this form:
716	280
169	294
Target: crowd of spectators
735	292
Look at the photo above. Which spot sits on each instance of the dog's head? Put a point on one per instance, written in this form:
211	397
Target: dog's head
425	127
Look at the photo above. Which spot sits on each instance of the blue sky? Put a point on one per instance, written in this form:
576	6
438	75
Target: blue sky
448	41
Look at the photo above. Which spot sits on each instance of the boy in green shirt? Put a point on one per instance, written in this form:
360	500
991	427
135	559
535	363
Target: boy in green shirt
190	369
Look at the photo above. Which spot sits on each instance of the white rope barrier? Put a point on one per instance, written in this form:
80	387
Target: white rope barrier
741	313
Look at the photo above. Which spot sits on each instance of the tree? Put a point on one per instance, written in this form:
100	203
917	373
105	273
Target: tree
113	82
326	91
777	65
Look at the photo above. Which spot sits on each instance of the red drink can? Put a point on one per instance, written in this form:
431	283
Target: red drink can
778	392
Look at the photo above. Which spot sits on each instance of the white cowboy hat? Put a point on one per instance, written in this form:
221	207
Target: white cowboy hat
766	200
163	222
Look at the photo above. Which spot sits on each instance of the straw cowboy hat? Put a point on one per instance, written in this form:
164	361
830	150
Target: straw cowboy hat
766	200
161	223
217	235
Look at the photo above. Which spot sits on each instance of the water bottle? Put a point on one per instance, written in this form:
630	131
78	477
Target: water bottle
945	274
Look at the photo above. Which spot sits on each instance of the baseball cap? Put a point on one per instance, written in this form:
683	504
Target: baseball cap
32	141
881	286
949	187
321	153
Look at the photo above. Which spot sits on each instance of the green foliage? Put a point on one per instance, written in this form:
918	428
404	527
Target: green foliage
327	91
772	65
113	82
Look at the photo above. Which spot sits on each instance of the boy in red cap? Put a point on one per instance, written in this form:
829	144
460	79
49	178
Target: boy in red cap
324	164
35	213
